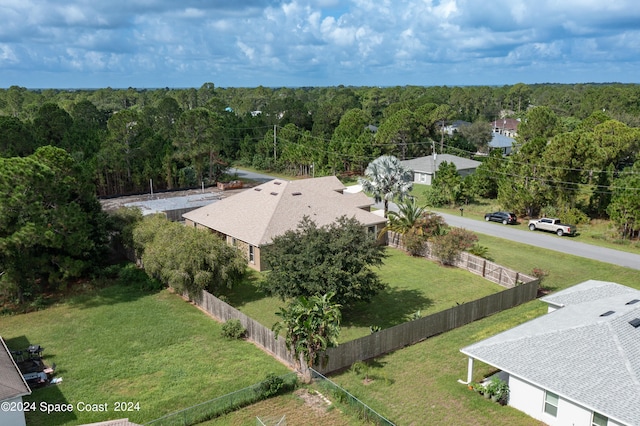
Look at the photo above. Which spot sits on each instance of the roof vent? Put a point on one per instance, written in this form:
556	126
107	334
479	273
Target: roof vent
277	183
274	193
257	189
606	314
631	302
635	322
296	193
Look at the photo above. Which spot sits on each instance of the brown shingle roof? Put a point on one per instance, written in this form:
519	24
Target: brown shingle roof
268	210
12	383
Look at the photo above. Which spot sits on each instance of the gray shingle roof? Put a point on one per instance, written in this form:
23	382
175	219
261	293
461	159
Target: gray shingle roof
575	352
12	383
268	210
426	165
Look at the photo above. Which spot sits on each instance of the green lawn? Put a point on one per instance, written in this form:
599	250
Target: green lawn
156	349
415	284
125	345
418	384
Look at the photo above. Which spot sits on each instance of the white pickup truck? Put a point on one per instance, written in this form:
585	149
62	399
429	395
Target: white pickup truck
552	225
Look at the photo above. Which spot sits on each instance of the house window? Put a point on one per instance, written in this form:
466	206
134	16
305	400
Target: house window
372	231
551	403
234	242
251	257
599	420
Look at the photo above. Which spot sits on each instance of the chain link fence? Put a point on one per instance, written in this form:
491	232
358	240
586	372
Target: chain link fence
359	408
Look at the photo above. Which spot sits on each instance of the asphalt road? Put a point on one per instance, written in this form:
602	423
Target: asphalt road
542	239
536	238
245	174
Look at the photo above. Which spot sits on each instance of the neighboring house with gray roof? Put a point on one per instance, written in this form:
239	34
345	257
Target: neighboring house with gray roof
12	388
577	365
424	168
251	219
501	142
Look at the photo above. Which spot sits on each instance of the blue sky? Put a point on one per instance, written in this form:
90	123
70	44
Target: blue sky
247	43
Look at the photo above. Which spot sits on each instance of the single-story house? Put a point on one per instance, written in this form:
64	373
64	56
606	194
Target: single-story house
579	364
251	219
12	388
424	168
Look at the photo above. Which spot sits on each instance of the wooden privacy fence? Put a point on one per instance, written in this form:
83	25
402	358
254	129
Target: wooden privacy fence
412	332
475	264
381	342
256	332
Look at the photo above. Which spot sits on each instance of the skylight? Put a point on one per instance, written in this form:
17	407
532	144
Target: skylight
296	193
631	302
635	322
606	314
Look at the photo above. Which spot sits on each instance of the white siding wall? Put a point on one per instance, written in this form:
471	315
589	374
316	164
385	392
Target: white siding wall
12	418
530	399
423	178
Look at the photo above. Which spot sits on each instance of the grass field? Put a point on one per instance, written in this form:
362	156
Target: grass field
125	345
415	284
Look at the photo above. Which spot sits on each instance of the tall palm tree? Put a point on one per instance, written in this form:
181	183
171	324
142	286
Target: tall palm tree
387	179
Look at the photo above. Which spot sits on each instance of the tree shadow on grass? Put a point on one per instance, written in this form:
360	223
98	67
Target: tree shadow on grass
110	295
391	307
245	292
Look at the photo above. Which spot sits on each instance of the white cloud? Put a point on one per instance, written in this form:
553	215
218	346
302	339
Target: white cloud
285	40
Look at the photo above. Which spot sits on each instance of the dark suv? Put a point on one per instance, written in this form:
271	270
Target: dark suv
504	217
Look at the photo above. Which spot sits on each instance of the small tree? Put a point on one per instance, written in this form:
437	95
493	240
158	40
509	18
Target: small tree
311	326
336	258
187	259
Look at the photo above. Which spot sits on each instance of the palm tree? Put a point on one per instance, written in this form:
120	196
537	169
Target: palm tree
312	325
415	224
407	216
387	179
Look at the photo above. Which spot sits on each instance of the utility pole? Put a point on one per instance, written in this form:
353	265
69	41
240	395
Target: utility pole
274	143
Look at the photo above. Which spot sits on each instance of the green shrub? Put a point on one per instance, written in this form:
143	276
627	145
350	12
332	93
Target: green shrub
233	329
448	247
270	386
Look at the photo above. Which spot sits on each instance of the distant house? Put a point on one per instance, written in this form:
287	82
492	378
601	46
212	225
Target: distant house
577	365
251	219
501	142
424	168
12	388
506	126
371	128
456	126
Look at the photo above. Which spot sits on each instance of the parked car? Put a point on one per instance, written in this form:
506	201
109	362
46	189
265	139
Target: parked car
552	225
504	217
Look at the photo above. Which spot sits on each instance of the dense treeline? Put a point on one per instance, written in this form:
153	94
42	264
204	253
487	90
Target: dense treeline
575	142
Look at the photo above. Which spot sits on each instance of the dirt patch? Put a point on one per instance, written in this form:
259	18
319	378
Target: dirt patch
314	400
